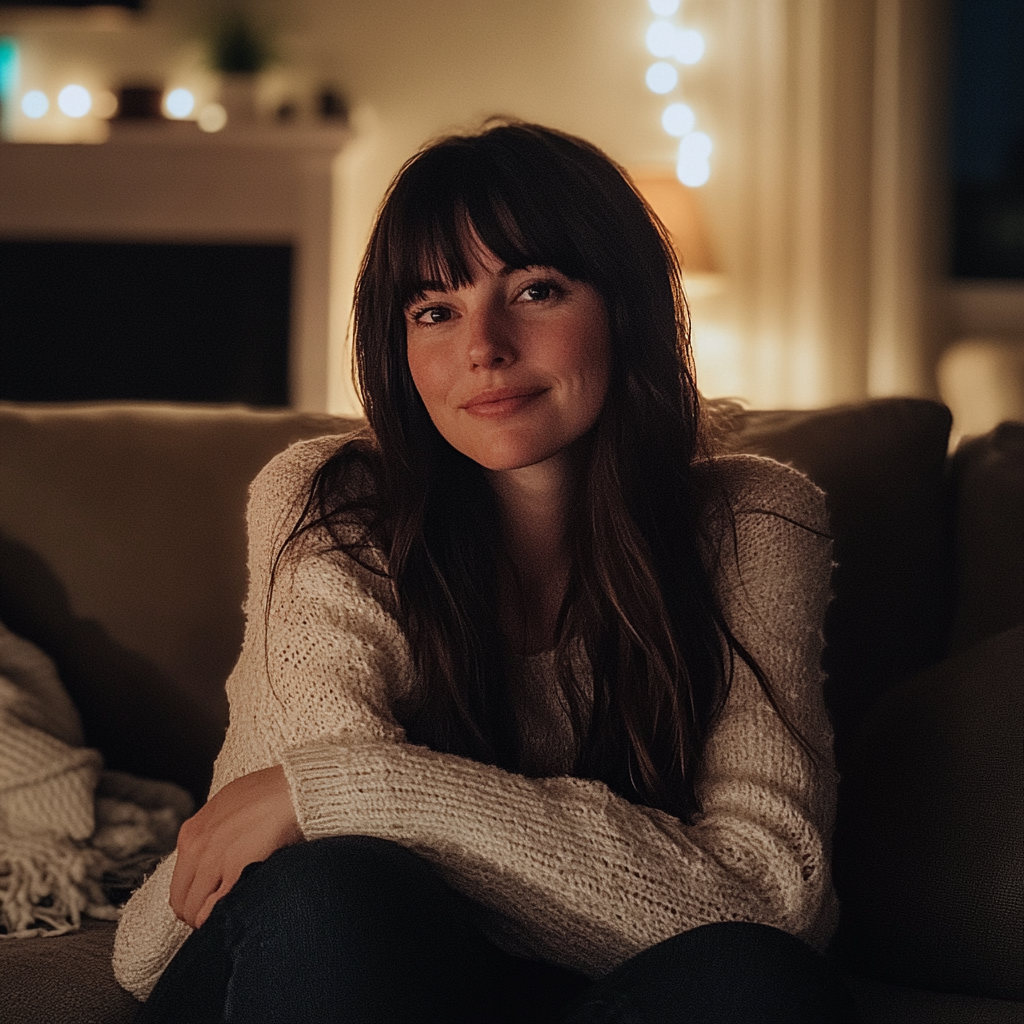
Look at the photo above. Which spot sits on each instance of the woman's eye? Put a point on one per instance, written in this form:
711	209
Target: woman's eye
538	292
433	315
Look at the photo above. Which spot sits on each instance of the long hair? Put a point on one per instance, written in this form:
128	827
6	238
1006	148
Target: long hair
640	603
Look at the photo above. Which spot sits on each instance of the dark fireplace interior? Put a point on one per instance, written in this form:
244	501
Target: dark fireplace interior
96	321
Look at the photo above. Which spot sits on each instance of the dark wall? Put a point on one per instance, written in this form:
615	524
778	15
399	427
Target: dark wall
987	138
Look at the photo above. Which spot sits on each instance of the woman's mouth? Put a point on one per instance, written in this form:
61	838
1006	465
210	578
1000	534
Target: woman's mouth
502	401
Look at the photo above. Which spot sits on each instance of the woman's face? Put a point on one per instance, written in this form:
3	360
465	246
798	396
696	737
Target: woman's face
512	368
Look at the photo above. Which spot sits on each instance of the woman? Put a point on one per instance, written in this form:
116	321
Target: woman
530	691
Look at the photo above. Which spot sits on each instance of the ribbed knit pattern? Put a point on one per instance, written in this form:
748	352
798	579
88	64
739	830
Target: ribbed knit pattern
561	868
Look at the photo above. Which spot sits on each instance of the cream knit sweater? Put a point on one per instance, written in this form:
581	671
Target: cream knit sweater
562	869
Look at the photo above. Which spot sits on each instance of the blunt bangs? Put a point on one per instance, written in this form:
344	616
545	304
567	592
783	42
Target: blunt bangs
520	202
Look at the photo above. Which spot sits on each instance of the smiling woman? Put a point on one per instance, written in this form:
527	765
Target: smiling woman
528	721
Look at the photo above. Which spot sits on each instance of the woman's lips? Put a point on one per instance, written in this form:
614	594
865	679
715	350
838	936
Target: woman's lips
502	402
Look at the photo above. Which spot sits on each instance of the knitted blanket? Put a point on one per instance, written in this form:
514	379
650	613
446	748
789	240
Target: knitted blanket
74	839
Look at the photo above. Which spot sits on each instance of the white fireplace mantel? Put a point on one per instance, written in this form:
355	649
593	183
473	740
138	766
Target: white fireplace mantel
170	182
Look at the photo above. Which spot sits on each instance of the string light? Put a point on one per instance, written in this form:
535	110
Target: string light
667	41
692	167
662	77
678	120
34	104
662	38
74	100
689	46
179	103
212	117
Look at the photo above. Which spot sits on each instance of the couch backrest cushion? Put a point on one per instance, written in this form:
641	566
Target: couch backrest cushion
882	467
988	479
930	841
122	555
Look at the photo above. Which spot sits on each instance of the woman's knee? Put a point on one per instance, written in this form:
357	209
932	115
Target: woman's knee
730	971
342	854
325	876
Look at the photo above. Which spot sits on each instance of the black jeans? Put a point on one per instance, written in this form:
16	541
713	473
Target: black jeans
355	929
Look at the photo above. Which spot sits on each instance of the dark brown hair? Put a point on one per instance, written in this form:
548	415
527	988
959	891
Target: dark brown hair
640	601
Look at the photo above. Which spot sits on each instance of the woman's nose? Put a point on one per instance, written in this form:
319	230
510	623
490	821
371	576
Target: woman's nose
491	344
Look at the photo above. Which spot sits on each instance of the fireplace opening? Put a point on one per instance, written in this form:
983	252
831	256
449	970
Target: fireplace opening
100	321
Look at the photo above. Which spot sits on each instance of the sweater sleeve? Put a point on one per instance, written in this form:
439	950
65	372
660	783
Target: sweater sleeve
566	870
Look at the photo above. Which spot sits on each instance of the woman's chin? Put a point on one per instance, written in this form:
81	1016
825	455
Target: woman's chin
510	461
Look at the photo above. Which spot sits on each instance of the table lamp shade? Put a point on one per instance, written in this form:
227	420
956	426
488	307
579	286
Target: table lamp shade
680	210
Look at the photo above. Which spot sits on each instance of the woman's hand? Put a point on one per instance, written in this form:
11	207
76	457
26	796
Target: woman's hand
244	823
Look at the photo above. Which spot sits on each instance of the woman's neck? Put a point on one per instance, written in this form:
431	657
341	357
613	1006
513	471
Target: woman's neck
533	503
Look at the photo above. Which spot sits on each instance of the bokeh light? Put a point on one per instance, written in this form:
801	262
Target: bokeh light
9	66
179	103
664	8
662	77
74	100
212	117
692	166
34	104
689	46
104	104
661	38
678	120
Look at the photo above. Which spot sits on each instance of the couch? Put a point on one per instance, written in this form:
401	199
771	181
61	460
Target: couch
122	555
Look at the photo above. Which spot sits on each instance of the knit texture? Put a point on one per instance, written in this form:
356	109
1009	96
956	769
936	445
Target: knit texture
561	868
73	838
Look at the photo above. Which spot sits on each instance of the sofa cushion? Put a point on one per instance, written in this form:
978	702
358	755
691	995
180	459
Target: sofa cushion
122	555
930	843
988	479
882	467
64	979
882	1003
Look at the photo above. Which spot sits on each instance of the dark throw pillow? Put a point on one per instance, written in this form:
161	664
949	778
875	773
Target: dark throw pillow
988	476
930	845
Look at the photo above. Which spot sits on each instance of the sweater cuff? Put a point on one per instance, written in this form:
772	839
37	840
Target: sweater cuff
341	788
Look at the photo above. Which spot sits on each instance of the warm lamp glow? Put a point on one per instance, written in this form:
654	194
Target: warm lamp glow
679	209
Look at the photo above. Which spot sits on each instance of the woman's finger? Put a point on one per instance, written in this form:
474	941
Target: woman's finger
192	855
211	877
209	904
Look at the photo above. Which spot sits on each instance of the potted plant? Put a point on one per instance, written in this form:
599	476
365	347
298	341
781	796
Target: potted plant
239	51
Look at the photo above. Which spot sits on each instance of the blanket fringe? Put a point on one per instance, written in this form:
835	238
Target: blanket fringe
47	886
